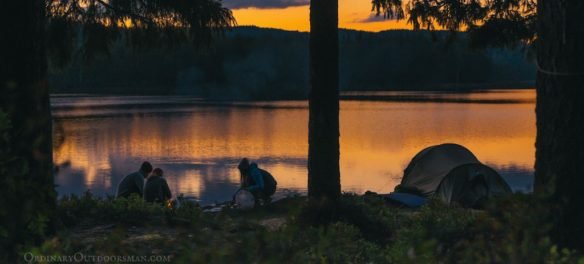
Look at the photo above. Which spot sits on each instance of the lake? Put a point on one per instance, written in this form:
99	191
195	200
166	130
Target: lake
100	139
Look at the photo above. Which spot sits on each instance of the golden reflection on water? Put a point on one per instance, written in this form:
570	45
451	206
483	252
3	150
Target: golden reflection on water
199	148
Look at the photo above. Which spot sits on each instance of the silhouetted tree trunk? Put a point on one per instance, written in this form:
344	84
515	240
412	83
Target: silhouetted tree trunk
26	182
559	161
323	124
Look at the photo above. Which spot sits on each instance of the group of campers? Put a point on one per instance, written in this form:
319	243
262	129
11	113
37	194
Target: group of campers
155	190
260	183
447	172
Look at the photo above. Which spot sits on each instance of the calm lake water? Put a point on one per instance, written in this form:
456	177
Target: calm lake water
100	139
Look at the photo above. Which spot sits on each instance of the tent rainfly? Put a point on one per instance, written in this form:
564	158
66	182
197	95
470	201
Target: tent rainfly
453	174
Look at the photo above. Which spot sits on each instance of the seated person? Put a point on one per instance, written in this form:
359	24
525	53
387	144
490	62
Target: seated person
134	183
257	181
156	190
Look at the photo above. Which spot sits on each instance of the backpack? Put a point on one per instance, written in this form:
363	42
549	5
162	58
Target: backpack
269	182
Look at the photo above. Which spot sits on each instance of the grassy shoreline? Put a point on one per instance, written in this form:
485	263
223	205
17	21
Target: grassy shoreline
357	229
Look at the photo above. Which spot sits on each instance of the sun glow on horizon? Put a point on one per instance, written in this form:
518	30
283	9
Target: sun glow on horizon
353	14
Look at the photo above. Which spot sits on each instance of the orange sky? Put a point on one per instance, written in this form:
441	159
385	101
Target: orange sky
351	14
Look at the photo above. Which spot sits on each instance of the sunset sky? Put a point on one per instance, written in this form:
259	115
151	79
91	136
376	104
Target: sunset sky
293	15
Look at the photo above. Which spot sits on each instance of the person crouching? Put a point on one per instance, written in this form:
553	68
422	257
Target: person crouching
134	183
256	181
156	190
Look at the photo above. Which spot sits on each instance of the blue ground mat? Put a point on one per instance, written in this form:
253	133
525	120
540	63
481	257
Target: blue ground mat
409	200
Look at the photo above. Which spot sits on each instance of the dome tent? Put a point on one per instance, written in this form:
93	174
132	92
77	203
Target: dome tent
453	174
470	185
432	164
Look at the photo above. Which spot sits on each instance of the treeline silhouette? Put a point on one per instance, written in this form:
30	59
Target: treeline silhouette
257	63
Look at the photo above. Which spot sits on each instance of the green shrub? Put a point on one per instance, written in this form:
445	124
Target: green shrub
371	215
355	229
512	230
430	234
73	210
515	229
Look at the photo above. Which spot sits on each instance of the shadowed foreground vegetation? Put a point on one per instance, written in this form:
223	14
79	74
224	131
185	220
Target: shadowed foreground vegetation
358	229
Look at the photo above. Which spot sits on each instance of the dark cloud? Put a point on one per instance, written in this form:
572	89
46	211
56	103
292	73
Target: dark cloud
370	18
263	4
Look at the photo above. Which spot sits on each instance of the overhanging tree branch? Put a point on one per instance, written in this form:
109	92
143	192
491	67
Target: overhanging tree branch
117	10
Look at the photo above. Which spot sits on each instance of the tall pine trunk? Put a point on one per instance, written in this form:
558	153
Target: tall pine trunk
323	124
26	183
559	161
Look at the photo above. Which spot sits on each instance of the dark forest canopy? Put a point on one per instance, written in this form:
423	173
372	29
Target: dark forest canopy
272	64
143	22
488	22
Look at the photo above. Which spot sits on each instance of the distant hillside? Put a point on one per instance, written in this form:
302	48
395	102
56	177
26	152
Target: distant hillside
256	63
